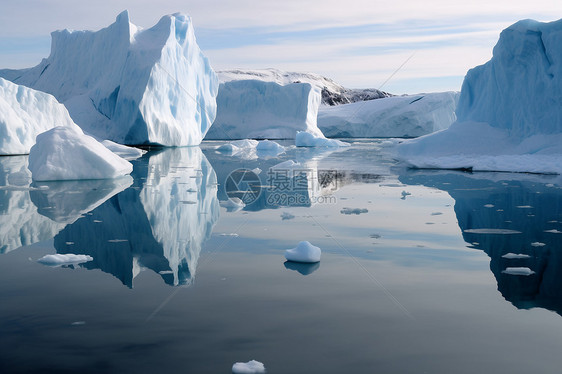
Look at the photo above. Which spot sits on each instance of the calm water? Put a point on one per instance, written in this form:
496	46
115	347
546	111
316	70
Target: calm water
181	282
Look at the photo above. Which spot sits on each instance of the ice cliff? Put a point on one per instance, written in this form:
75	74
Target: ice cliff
24	114
130	85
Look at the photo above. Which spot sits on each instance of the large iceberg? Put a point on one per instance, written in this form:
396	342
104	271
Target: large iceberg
130	85
265	110
64	153
398	116
25	113
509	112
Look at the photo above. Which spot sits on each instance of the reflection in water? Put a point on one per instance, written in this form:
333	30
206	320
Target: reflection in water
508	204
159	223
301	267
301	186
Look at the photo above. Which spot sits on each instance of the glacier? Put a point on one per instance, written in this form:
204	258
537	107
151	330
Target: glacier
130	85
24	114
509	116
64	153
264	110
397	116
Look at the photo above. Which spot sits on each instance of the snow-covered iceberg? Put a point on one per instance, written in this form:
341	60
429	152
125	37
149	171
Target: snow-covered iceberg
65	153
306	139
130	85
24	114
304	252
398	116
509	116
64	260
265	110
250	149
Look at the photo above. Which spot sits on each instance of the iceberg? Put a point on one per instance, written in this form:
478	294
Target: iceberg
130	85
304	252
24	114
306	139
250	149
332	92
64	153
250	367
398	116
264	110
509	116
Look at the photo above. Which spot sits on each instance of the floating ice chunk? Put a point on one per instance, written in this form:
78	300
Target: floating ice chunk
304	252
356	211
553	231
123	151
233	204
537	244
269	146
286	216
306	139
64	259
250	367
256	171
492	231
524	207
513	256
64	153
489	206
232	234
24	114
238	145
518	271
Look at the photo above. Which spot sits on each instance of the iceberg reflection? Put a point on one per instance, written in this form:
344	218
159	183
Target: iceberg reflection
160	223
515	219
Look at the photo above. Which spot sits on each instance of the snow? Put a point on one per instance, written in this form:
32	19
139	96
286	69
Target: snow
399	116
64	259
304	252
250	367
518	271
264	110
65	153
24	114
509	116
513	256
306	139
129	85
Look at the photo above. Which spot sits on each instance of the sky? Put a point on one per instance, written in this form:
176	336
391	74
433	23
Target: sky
400	46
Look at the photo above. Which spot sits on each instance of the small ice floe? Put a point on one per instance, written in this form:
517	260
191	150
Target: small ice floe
492	231
232	234
518	271
375	236
537	244
355	211
164	272
436	213
69	243
117	240
286	216
489	206
524	207
514	256
268	146
250	367
233	204
553	231
64	259
304	252
123	151
404	194
256	171
306	139
549	185
78	323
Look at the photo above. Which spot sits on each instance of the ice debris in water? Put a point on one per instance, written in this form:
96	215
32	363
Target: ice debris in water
250	367
286	216
64	259
304	252
306	139
518	271
537	244
513	256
